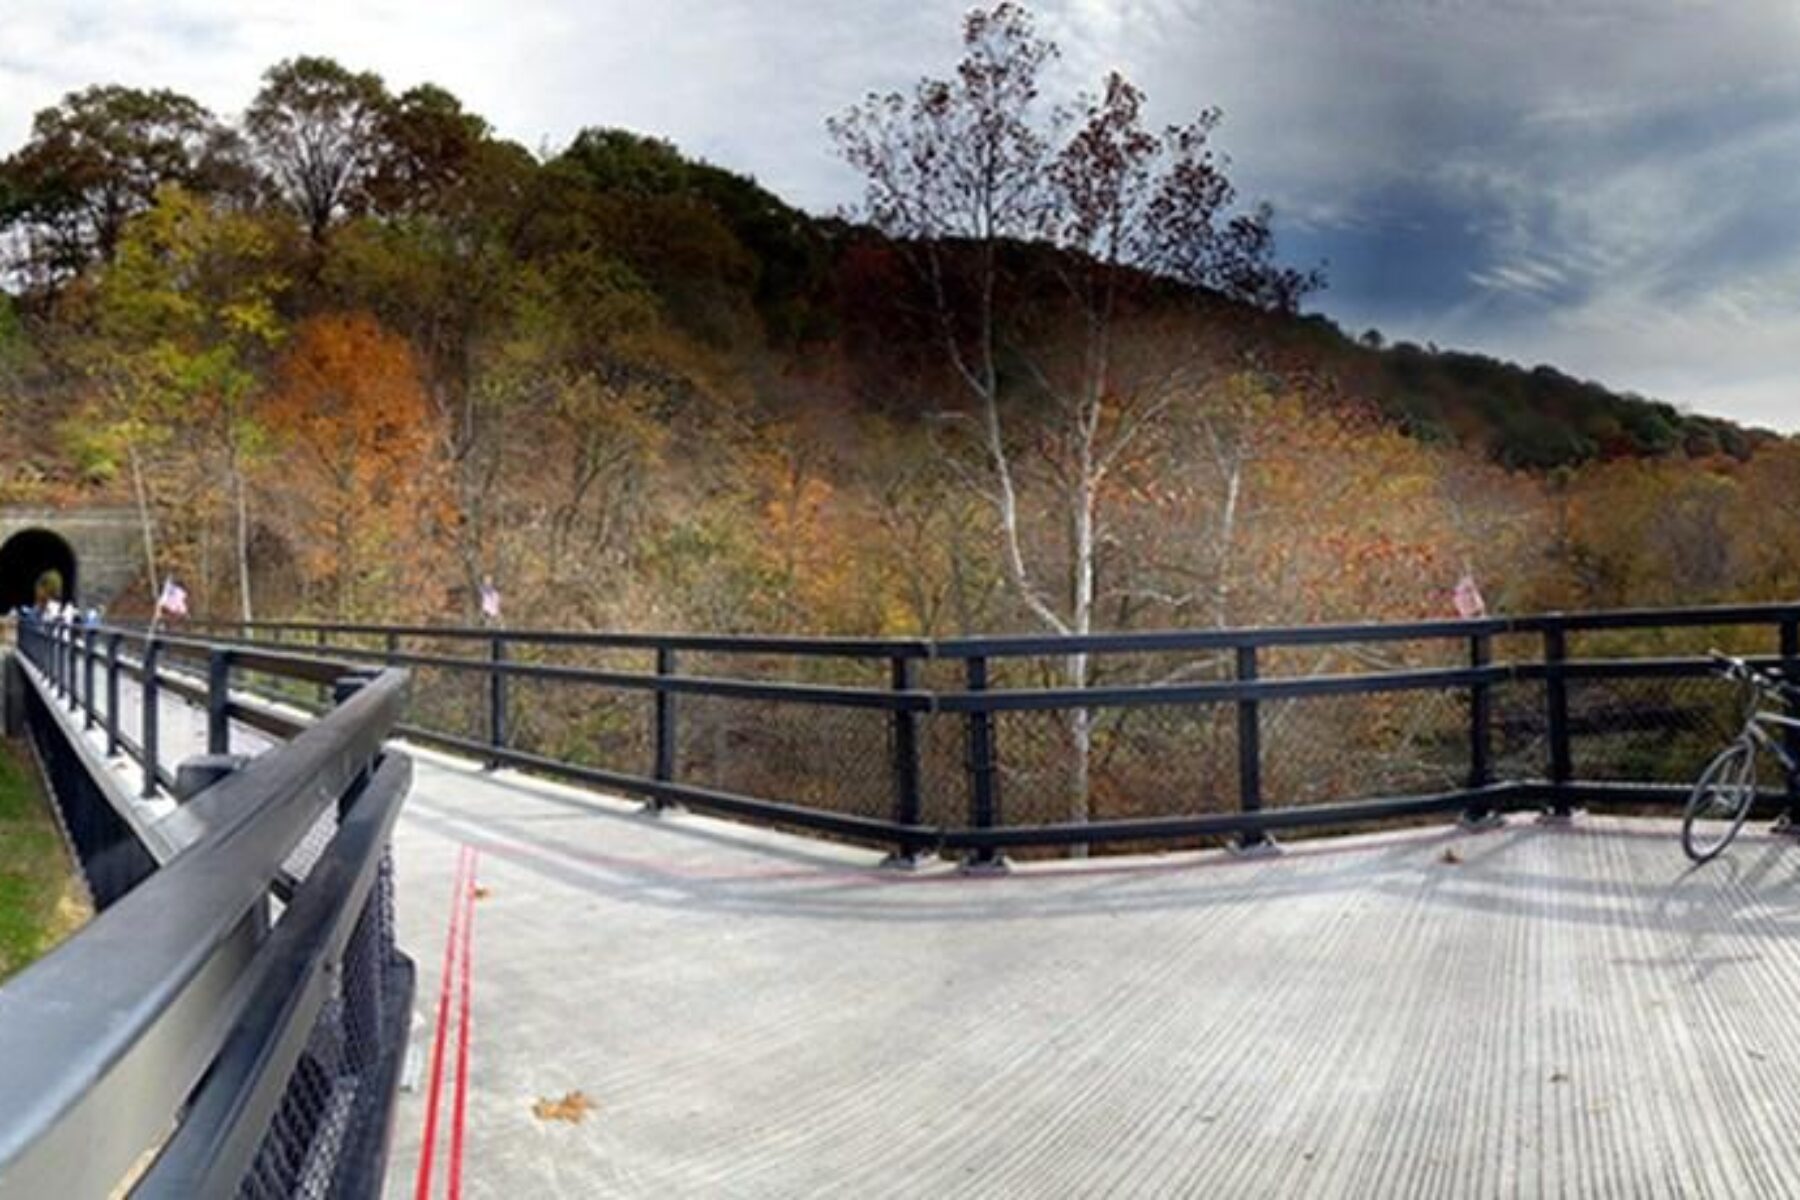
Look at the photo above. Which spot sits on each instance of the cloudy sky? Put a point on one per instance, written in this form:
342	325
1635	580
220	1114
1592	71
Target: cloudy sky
1612	186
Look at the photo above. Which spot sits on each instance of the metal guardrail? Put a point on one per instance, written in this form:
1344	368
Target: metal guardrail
234	1024
986	688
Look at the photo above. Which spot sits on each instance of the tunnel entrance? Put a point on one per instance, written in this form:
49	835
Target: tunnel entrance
27	561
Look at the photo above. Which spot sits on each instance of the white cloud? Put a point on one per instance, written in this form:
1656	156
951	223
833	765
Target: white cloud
1599	183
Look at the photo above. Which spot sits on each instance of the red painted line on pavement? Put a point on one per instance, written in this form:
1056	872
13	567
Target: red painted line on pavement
428	1144
466	986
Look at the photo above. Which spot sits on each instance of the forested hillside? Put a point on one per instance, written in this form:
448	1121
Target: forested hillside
353	353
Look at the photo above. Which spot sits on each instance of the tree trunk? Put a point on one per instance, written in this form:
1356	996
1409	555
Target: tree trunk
1234	474
1075	666
144	522
243	547
343	566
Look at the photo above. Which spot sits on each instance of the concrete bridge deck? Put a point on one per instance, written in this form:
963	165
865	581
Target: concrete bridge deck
1531	1011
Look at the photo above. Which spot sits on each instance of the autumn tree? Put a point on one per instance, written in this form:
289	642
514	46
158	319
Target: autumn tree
1764	533
961	171
430	148
361	478
446	280
216	276
95	160
175	332
316	127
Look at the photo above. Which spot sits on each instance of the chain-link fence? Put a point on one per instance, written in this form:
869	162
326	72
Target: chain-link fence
1429	713
319	1007
1650	730
839	760
338	1095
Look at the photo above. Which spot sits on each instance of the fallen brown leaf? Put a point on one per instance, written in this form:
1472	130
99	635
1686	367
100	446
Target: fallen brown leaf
1450	855
573	1107
481	893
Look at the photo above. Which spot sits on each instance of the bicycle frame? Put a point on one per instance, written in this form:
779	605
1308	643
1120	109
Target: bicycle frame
1761	689
1754	728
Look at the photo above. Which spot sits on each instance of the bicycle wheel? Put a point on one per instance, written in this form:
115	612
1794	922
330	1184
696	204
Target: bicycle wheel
1721	799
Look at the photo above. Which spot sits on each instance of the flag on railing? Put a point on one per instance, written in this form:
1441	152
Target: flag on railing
490	600
173	599
1467	598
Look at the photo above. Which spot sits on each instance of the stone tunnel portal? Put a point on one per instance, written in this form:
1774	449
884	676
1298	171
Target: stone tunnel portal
26	559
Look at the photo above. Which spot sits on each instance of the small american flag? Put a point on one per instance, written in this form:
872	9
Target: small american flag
490	600
1467	598
173	599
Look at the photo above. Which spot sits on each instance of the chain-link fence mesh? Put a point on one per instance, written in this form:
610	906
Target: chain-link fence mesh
1140	762
840	760
1325	749
336	1098
449	700
1110	762
1650	730
584	724
1518	731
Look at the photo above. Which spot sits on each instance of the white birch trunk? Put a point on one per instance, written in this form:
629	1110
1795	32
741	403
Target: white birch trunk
243	547
144	521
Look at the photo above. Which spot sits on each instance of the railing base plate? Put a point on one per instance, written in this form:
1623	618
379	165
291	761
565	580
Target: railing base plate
1481	822
909	860
1551	817
1263	847
661	808
976	864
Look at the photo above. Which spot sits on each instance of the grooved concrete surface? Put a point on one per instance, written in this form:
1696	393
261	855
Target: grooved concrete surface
1564	1011
1531	1011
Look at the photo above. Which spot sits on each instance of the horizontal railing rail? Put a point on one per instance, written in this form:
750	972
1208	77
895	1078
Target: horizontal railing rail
226	1019
827	647
1035	645
980	736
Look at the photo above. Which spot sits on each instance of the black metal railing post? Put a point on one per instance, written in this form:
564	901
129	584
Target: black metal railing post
663	718
87	677
150	693
113	641
1481	772
319	637
496	698
72	665
908	807
984	769
218	701
1249	747
1790	668
77	668
393	648
1556	703
342	690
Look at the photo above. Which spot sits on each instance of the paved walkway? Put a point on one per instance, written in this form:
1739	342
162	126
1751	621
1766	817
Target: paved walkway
1557	1012
1533	1011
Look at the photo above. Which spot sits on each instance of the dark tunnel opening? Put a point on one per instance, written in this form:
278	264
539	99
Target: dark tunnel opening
26	558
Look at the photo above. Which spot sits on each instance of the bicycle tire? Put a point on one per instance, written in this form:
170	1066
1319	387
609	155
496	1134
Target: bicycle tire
1725	790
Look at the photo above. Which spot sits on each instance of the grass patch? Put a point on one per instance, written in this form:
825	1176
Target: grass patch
41	900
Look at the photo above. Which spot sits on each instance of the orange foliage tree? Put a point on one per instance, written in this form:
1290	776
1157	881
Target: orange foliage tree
362	481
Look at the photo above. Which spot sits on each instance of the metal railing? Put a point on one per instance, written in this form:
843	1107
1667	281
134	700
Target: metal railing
977	746
234	1023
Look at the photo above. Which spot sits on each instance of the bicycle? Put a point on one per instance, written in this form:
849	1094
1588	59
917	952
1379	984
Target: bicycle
1726	789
